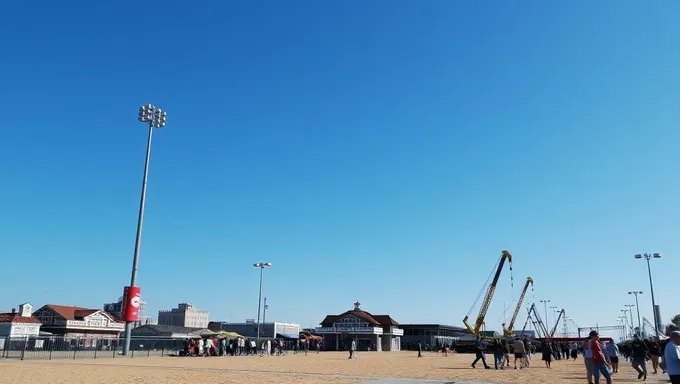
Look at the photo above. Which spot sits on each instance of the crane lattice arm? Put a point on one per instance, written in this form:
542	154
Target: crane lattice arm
489	295
508	331
552	333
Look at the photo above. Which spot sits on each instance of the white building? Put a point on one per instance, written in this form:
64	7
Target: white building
185	315
267	330
19	324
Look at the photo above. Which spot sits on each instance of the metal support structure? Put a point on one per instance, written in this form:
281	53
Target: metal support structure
155	117
637	306
262	266
648	256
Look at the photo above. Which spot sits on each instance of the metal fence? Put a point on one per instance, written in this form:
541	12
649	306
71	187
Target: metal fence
51	347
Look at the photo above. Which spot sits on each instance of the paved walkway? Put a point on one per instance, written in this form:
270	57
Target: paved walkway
418	381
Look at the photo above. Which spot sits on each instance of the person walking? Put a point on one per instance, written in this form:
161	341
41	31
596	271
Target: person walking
639	354
480	346
588	358
613	355
506	353
547	352
600	365
497	354
518	346
420	350
654	354
671	357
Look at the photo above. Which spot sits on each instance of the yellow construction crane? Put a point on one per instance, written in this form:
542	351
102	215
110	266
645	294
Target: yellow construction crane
508	331
505	255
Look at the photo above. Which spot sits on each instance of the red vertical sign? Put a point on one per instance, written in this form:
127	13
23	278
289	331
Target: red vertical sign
131	299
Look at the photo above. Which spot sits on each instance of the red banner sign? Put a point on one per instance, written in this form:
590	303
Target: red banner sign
131	301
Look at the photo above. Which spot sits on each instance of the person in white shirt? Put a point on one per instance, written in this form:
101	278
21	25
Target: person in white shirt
671	357
613	355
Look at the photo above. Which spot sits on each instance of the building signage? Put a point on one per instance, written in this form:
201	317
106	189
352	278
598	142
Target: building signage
131	301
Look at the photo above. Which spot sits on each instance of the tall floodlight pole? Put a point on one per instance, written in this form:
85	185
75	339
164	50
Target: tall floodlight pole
630	310
637	306
155	117
262	266
625	315
624	321
648	256
554	310
545	309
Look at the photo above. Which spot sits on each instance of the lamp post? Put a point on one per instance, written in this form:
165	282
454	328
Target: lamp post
262	266
625	315
648	256
545	309
630	310
624	321
637	305
155	117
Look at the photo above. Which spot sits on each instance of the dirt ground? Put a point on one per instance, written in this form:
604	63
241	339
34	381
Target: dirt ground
328	367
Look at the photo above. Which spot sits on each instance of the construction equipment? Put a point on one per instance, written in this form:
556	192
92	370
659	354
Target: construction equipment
552	333
505	255
508	331
535	319
652	334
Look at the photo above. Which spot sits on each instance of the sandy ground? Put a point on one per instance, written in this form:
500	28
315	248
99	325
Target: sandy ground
315	368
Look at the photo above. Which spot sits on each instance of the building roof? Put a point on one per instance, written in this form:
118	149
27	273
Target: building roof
16	318
72	312
376	320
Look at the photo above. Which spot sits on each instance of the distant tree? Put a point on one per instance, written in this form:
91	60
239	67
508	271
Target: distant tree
674	325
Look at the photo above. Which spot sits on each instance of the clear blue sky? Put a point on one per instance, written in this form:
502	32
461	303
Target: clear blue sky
376	151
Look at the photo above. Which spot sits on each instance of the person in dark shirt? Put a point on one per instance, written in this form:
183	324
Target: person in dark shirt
654	354
547	353
480	346
639	354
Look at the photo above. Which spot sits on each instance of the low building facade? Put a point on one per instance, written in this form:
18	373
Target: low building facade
185	315
248	329
88	325
19	324
432	335
369	332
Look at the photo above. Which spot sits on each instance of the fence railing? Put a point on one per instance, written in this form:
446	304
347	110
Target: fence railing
54	347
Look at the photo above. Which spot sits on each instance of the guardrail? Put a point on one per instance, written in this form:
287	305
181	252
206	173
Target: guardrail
54	347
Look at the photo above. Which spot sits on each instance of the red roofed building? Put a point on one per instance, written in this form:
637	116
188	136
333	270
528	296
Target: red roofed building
78	322
370	332
19	324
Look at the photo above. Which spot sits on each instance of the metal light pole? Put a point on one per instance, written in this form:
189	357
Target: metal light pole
553	308
630	310
637	305
647	256
155	117
545	308
264	312
624	321
262	266
625	315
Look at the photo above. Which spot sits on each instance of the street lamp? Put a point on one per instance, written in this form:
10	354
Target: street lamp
637	305
632	323
647	256
155	117
624	321
555	312
262	266
625	314
545	308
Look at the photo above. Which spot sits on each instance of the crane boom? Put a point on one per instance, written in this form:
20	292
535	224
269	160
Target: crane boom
552	333
508	331
489	295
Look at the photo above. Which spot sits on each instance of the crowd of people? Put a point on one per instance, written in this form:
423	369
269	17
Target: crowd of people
216	346
601	358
